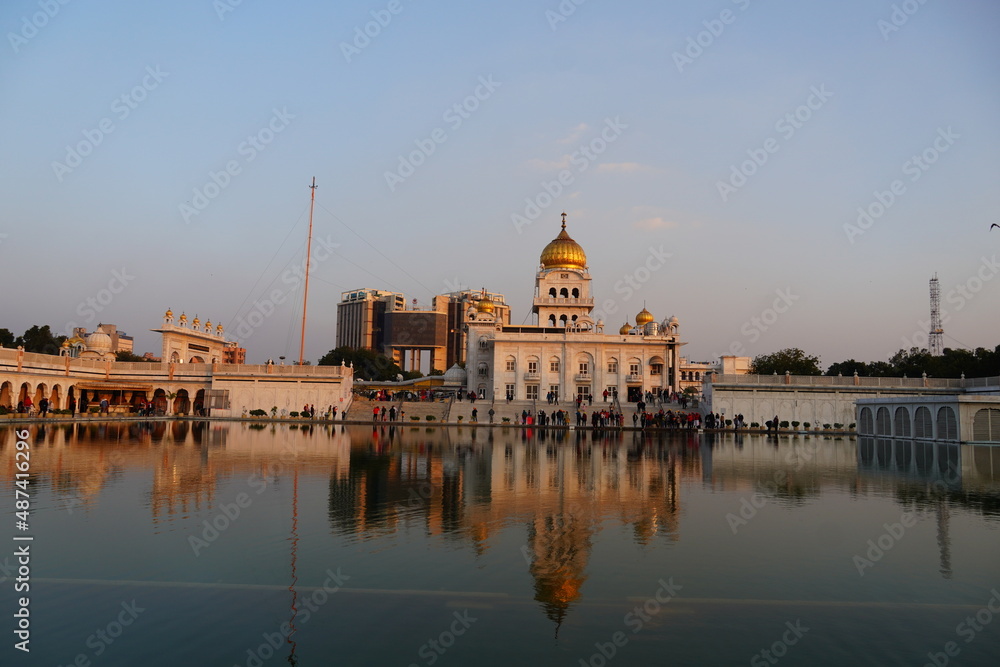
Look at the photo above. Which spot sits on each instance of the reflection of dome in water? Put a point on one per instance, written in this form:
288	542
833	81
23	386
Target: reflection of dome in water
560	546
562	252
99	342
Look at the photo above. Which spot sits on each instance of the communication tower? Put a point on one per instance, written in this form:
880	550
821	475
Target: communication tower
936	334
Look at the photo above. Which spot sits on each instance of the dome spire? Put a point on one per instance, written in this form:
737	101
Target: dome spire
564	221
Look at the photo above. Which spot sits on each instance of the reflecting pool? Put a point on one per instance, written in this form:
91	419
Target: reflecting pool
224	543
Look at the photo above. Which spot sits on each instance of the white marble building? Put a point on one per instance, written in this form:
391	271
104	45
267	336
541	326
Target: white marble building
567	352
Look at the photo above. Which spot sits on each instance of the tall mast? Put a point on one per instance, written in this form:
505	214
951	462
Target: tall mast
305	296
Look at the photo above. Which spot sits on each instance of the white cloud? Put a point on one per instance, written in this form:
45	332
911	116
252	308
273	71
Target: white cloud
575	134
650	224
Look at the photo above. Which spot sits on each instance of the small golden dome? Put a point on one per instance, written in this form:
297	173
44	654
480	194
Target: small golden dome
485	305
562	252
168	314
196	322
184	318
218	330
644	317
625	330
65	344
208	325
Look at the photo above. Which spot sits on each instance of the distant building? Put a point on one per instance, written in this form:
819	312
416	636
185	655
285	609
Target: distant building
234	354
361	317
381	321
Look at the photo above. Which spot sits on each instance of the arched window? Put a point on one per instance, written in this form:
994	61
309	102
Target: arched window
882	424
574	318
511	363
564	293
612	365
576	293
552	292
554	364
922	427
947	427
483	343
562	320
986	425
901	423
484	369
866	422
552	320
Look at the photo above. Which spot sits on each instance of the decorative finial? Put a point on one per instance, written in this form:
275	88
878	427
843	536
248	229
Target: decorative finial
564	221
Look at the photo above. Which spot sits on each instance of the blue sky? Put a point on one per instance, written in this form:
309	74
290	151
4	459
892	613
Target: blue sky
281	92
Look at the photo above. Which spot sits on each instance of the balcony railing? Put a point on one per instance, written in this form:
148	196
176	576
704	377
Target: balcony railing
583	377
564	301
532	376
633	377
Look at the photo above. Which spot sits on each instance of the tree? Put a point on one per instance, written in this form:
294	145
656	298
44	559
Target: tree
792	360
125	355
849	367
40	339
6	338
368	364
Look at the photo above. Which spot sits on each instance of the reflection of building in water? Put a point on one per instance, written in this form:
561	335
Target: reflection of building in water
563	488
559	545
934	476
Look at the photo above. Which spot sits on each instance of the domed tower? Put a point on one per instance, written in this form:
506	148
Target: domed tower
562	284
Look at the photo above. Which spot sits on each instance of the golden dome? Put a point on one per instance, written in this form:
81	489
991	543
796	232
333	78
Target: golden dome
563	252
196	322
218	330
644	317
208	325
625	330
184	318
168	314
485	306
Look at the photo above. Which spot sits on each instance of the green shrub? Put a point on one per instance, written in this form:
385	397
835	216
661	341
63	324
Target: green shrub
754	425
796	424
826	427
429	418
783	424
729	422
505	420
293	414
807	424
414	418
853	424
258	413
838	426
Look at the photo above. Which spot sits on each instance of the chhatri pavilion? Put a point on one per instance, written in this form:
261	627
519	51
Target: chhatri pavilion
567	353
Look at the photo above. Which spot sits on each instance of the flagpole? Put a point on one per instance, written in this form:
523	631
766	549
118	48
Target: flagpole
305	296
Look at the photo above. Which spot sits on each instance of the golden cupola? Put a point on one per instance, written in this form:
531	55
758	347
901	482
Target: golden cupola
563	252
644	317
485	305
625	330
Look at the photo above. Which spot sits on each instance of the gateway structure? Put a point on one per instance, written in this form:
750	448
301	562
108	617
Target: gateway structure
566	353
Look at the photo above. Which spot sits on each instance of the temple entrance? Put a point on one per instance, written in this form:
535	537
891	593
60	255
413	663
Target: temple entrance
182	403
634	394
